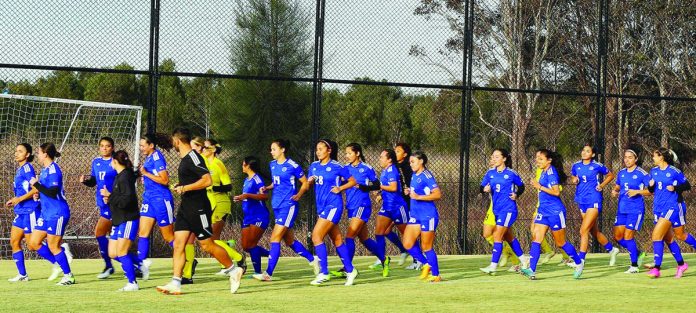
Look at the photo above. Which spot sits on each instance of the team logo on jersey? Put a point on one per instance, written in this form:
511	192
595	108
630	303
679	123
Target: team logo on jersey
506	176
635	176
419	180
285	169
362	170
668	174
591	168
328	169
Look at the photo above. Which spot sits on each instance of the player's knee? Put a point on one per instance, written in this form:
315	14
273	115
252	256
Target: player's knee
113	255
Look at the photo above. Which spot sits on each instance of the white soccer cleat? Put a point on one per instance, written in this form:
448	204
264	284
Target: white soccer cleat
130	287
170	289
67	280
68	253
262	277
632	270
145	268
106	273
235	279
415	266
350	278
55	273
490	269
578	269
315	265
223	272
320	279
19	278
402	259
612	256
376	266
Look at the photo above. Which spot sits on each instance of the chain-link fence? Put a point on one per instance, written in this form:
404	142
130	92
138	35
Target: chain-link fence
455	79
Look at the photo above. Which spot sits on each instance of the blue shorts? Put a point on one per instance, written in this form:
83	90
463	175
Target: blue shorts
127	230
632	221
362	212
26	222
399	215
331	214
554	221
258	221
158	208
286	216
53	225
677	217
585	206
505	219
426	222
104	211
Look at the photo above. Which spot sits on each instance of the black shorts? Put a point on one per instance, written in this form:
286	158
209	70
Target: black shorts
198	223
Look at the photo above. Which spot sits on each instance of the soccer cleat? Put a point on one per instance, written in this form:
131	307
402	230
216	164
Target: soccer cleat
19	278
350	277
515	269
67	280
490	269
641	257
68	254
193	267
108	271
654	273
402	259
528	273
170	289
145	268
503	259
130	287
565	262
385	268
612	256
632	270
236	279
415	266
524	261
434	279
186	281
242	263
315	265
320	279
376	266
55	273
681	269
578	269
138	273
546	258
262	277
222	272
338	274
425	272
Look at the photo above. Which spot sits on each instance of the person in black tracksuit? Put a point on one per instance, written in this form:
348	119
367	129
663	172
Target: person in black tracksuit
403	153
123	202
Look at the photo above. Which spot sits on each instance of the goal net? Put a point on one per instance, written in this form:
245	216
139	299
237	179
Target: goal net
75	128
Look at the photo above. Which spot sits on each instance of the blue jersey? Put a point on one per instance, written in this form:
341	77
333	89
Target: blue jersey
21	187
363	174
251	207
638	179
391	199
550	204
50	177
284	184
154	164
423	184
326	176
588	175
104	174
664	199
502	185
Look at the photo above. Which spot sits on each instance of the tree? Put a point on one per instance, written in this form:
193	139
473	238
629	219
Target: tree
171	100
113	88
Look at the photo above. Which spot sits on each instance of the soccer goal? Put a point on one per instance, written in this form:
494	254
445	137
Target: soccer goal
75	128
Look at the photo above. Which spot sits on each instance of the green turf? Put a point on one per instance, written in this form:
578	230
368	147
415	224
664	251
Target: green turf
602	289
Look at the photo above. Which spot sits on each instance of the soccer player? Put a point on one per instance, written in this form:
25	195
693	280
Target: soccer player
55	215
631	187
423	219
588	195
286	174
505	186
256	216
402	151
393	210
667	183
157	206
122	199
26	208
193	215
102	175
551	212
330	179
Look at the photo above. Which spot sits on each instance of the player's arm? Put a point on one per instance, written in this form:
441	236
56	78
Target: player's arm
608	177
225	180
200	184
306	183
434	195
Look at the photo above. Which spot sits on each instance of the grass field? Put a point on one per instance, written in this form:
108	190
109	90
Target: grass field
465	289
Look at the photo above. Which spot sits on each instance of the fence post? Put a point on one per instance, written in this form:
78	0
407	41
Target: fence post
153	67
465	128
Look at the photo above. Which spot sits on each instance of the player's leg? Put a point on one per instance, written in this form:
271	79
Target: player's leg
101	230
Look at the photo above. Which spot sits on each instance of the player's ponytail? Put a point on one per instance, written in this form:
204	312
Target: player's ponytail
161	140
557	162
121	156
27	147
357	149
50	149
506	155
421	156
215	144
